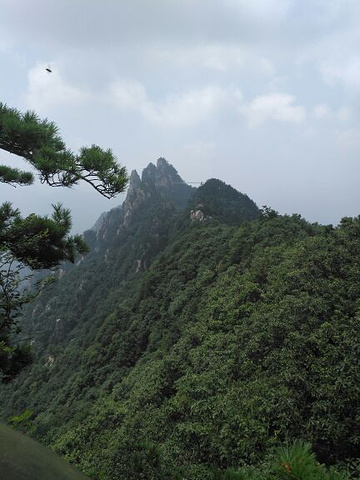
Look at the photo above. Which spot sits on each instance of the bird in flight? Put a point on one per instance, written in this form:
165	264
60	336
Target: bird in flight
48	69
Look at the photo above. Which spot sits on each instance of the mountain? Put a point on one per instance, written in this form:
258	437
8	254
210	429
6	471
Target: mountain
198	335
217	200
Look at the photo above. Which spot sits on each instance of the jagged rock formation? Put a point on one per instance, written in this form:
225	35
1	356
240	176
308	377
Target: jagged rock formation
158	185
135	196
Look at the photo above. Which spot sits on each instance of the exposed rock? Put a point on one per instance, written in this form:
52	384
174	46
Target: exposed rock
159	183
135	195
50	361
197	216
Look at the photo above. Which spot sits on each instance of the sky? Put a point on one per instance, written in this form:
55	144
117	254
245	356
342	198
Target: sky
262	94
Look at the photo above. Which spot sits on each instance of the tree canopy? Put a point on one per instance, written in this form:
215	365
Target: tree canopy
39	143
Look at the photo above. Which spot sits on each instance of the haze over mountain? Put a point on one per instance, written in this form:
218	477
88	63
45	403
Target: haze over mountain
199	334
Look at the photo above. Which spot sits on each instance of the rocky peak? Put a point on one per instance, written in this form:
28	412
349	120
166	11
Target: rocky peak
163	175
148	174
134	186
135	180
136	193
158	183
166	175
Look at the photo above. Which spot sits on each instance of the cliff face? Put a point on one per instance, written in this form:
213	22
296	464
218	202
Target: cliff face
159	185
134	198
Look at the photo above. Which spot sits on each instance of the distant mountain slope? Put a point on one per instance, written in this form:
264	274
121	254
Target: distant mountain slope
185	344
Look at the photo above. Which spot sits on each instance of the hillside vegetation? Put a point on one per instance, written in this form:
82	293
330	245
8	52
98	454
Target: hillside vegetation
215	347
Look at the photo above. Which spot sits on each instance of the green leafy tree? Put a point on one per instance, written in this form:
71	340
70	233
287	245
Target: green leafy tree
37	242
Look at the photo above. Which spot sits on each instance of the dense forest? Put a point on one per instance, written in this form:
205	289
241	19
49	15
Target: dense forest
200	338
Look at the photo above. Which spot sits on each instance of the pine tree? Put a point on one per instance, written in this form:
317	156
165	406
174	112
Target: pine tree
38	242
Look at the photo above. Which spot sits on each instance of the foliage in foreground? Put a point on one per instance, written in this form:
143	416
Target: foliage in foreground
290	462
37	242
39	143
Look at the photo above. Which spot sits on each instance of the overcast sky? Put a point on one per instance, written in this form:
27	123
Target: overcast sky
262	94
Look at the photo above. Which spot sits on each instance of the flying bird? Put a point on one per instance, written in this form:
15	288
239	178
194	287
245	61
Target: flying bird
48	69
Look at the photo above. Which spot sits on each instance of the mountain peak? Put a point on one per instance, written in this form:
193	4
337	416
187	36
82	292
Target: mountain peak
161	162
157	181
215	199
134	178
148	174
163	175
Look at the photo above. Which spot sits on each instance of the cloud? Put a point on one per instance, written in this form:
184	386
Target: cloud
349	140
175	110
213	56
128	94
268	10
331	42
199	150
46	90
344	114
276	106
190	108
321	111
266	66
345	71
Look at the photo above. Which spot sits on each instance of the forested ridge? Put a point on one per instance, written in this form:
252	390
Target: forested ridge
198	337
